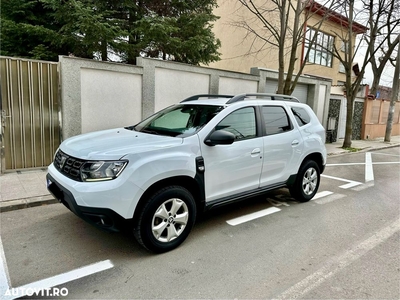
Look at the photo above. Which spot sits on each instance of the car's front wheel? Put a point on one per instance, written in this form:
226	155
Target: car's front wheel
166	219
307	182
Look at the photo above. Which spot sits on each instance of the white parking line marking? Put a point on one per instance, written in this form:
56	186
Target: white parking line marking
321	194
339	263
344	164
68	276
364	186
4	277
361	164
369	171
253	216
350	183
330	198
386	162
5	283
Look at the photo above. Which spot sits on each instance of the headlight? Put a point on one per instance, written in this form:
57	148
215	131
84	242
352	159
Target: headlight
102	170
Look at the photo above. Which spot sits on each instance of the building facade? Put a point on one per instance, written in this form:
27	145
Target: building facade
241	51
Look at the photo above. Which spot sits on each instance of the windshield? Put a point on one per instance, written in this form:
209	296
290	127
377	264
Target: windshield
178	120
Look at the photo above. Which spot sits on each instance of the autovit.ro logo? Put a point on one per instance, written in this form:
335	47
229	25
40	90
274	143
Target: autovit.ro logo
31	291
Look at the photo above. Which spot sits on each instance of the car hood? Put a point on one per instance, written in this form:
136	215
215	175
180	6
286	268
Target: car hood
115	143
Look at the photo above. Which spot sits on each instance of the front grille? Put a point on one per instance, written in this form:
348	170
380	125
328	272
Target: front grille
68	165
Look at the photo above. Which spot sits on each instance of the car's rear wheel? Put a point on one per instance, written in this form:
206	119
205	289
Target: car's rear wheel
307	182
166	219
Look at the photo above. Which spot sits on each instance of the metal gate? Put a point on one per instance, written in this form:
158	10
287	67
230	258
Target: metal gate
29	131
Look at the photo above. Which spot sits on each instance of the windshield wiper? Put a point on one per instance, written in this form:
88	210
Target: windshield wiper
150	131
130	128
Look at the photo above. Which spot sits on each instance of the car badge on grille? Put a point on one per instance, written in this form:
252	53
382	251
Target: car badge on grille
62	161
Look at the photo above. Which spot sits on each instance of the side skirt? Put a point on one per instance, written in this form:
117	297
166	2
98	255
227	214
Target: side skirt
242	196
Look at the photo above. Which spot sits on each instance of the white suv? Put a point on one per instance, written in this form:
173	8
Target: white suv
207	151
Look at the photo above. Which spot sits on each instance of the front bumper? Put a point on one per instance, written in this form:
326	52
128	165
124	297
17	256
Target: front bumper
103	218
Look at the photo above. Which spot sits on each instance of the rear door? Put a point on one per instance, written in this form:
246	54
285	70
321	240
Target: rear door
282	145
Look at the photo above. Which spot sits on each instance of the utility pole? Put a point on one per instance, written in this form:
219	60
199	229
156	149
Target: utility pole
395	96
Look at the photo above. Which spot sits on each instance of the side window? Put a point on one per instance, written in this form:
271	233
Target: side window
242	123
301	115
276	120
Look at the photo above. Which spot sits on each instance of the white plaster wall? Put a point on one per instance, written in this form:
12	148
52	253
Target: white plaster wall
342	119
234	86
321	101
109	99
172	86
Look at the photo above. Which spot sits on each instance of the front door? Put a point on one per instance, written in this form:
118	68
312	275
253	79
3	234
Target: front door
235	168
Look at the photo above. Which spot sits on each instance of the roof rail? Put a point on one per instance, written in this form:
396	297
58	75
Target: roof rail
197	97
280	97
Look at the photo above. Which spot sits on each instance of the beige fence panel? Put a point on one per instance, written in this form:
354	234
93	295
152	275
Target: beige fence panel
29	95
376	115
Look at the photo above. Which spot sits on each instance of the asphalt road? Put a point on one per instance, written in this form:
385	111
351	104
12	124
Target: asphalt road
344	244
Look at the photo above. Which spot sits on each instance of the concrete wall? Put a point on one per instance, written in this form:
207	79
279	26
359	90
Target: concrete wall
98	95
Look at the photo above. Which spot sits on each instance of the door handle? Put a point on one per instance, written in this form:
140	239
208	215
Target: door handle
295	143
256	151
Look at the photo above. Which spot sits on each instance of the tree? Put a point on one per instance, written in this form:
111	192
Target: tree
88	27
174	30
389	20
112	30
28	29
280	24
374	14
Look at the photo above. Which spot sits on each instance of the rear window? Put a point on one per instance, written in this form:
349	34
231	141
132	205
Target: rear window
301	115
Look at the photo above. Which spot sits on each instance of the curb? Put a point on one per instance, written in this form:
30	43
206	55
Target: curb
363	149
11	205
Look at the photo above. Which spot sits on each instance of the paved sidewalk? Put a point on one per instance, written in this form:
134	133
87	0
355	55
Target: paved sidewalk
28	188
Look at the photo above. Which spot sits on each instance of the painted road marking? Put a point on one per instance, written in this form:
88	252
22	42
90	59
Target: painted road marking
339	263
330	198
350	183
252	216
361	164
5	284
364	186
369	171
321	194
68	276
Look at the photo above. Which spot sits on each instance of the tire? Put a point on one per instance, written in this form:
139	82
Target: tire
166	219
307	182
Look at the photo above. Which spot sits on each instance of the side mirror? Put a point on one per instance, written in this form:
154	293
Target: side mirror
220	137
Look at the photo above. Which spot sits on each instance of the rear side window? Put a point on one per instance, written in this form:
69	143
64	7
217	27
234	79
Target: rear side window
301	115
276	120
